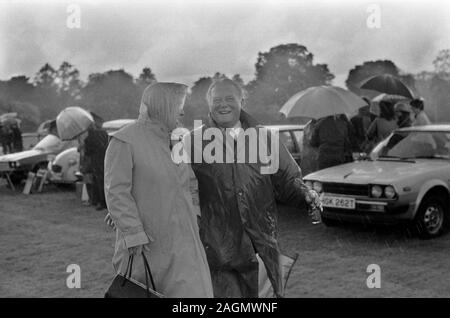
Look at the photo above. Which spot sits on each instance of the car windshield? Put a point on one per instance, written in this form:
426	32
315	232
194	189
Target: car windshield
416	145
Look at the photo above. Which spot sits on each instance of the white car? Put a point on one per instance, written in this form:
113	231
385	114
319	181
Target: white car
65	166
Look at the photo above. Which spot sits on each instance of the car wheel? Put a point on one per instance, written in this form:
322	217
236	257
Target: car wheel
431	216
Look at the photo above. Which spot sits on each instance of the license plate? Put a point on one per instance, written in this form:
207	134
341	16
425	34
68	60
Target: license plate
338	202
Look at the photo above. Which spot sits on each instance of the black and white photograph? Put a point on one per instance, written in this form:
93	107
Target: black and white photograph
212	149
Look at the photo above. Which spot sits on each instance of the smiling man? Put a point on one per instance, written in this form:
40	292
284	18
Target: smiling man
238	202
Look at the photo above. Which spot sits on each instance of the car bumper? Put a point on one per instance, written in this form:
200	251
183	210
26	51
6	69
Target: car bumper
376	212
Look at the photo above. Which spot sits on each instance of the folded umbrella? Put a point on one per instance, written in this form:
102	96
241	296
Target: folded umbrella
389	84
73	121
322	101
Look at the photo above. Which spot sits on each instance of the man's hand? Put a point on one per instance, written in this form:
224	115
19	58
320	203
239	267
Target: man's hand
108	220
315	206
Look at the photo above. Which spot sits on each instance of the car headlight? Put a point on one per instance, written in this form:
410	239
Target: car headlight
376	191
309	184
317	186
389	192
13	164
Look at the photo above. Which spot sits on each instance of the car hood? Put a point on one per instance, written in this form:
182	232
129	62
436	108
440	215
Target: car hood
21	155
363	172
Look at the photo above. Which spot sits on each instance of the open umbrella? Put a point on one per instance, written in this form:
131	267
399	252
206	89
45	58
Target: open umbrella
10	119
73	121
389	84
322	101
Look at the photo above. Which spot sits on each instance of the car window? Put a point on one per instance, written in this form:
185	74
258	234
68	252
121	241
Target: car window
299	136
418	145
286	139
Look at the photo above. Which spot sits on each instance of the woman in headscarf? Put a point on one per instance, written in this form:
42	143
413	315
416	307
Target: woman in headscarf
150	202
382	126
420	117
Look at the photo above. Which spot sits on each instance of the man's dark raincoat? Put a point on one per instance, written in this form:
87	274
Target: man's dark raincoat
334	136
238	217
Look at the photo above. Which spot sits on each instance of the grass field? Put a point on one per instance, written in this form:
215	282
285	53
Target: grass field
41	234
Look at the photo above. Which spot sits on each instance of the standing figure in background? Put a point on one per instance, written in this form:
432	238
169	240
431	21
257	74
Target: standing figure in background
309	154
361	123
334	136
382	126
16	137
3	139
6	138
93	144
421	117
403	115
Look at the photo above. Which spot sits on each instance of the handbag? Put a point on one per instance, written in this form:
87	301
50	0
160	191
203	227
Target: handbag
123	286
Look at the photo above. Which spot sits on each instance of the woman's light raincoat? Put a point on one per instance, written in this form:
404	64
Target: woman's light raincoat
149	200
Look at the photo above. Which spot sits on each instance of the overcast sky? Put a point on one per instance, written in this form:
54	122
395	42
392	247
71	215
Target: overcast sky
183	40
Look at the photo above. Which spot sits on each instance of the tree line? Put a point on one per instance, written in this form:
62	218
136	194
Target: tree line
279	73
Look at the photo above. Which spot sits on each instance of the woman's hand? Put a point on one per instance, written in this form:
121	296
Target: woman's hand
108	220
136	250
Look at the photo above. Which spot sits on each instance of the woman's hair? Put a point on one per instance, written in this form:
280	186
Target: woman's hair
161	100
387	110
417	103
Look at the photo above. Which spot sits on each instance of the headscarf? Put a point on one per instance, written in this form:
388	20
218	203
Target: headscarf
159	102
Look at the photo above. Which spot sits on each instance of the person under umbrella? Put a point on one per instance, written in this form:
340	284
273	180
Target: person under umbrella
420	117
389	84
382	126
93	144
75	122
308	162
5	138
16	137
361	123
334	136
403	115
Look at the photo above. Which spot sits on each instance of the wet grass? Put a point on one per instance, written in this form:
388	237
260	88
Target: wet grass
41	234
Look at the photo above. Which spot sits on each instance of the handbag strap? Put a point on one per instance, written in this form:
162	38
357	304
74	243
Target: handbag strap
129	269
147	270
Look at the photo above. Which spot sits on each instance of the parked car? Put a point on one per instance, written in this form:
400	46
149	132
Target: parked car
406	179
65	167
17	165
291	136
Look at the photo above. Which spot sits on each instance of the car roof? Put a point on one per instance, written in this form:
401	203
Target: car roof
284	127
428	128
